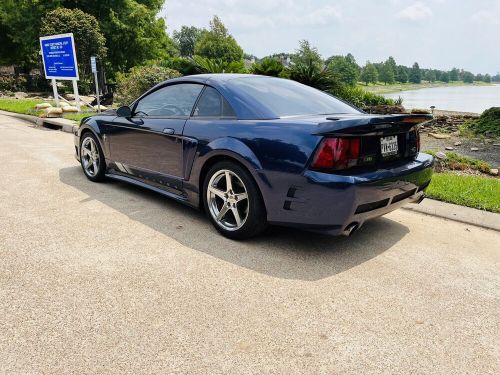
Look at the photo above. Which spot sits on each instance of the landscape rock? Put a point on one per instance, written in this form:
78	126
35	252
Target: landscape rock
441	155
63	104
52	112
383	109
103	108
20	95
420	111
457	143
494	171
449	148
439	135
43	106
474	149
489	134
496	144
69	108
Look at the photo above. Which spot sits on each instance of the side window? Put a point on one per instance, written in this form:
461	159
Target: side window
174	100
213	104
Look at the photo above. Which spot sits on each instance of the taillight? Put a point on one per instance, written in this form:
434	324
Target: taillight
336	153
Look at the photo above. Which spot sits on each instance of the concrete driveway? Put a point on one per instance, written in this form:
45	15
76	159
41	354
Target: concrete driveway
109	278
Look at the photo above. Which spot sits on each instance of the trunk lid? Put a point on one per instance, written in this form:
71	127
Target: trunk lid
383	138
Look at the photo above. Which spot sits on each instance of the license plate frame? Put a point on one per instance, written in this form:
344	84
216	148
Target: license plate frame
389	146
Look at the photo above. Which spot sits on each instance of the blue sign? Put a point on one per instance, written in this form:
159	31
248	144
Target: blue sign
59	57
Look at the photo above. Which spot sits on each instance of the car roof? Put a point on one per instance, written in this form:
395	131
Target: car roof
245	106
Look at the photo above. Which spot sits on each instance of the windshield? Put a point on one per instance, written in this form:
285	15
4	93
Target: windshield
285	97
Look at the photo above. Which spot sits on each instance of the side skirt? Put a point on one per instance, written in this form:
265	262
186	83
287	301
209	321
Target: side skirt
177	197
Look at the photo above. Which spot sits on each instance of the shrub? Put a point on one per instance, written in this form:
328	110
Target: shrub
207	65
268	67
12	83
140	79
361	98
183	65
488	122
457	162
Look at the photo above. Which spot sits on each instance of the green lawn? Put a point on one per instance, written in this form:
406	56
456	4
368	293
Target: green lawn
27	107
471	191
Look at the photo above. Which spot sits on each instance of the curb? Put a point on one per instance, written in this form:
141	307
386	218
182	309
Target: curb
466	215
64	125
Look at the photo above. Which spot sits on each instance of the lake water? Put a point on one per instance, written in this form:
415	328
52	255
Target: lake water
456	98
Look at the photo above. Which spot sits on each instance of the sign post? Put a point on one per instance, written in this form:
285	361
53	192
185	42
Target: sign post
93	65
59	62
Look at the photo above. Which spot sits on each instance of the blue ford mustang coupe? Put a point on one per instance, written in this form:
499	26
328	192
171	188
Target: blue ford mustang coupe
253	150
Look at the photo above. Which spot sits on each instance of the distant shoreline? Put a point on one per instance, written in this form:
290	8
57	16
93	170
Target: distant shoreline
398	87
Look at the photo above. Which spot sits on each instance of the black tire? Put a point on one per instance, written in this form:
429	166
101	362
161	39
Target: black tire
255	222
101	170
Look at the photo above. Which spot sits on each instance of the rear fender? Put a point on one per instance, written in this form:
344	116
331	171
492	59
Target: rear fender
230	148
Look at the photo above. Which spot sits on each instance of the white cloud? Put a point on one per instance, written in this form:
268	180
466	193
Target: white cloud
484	17
251	15
415	12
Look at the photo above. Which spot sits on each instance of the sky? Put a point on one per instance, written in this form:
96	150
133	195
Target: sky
439	34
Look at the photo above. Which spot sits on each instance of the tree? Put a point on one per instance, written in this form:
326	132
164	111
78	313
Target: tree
186	39
345	68
369	74
487	78
430	75
392	63
415	75
217	43
88	38
19	31
134	34
445	77
468	77
454	74
308	68
268	67
386	73
307	54
479	77
402	74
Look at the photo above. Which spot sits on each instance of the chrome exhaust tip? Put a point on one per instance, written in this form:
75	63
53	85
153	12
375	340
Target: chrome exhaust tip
420	199
350	229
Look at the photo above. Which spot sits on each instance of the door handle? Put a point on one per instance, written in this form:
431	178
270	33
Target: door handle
168	131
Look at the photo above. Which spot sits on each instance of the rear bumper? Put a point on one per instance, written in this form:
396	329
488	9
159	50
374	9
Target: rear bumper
330	203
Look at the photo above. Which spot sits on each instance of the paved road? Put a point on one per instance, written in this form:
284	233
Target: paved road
108	278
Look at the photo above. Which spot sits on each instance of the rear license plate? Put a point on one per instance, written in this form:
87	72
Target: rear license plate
389	145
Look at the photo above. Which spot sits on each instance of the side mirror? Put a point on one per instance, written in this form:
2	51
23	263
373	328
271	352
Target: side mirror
124	111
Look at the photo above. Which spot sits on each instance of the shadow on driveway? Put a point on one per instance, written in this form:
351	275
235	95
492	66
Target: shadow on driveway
281	252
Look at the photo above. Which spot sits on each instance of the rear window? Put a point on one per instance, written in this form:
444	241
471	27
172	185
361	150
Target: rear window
285	97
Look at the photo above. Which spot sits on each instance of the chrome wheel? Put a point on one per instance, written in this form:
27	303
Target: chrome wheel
90	157
227	199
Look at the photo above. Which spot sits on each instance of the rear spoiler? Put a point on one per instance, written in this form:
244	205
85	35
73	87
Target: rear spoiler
370	124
